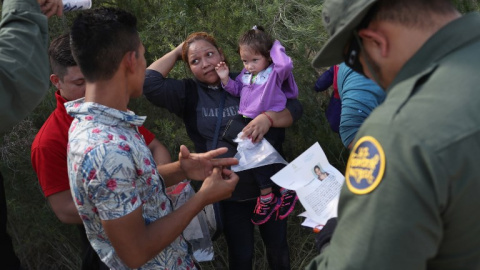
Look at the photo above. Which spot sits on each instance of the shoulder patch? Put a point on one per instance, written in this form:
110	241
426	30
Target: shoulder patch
365	166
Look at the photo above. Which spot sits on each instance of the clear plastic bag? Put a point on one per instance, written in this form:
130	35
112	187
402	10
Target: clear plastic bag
251	155
197	233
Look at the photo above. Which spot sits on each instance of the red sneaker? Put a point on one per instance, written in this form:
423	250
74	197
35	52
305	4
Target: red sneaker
289	199
263	211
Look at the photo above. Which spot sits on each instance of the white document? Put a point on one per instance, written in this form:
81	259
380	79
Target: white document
316	182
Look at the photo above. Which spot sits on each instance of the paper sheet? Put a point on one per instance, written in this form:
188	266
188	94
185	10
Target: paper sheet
316	182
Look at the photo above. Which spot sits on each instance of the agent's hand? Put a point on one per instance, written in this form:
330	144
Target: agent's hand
223	71
257	128
322	239
218	186
51	7
200	166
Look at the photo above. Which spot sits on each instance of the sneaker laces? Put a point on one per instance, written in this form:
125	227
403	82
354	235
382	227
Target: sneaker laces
261	206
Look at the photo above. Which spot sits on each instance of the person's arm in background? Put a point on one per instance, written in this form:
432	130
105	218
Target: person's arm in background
50	165
324	81
64	208
159	151
24	68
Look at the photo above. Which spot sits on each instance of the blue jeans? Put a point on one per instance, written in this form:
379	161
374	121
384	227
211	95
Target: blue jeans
239	234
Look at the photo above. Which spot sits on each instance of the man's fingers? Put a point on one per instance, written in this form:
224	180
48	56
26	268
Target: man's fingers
224	162
229	175
184	152
217	170
216	152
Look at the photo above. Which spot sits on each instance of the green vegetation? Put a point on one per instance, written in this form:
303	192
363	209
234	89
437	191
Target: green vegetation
42	242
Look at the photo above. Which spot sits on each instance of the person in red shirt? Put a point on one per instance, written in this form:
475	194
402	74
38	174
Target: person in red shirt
49	149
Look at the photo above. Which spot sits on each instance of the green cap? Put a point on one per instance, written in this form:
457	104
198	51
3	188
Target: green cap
340	18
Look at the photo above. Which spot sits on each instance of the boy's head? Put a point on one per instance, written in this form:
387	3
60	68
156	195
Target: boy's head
99	40
66	75
60	55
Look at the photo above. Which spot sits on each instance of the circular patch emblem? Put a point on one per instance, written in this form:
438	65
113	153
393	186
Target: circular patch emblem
365	166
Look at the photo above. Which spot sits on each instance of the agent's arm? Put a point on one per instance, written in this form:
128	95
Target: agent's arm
24	68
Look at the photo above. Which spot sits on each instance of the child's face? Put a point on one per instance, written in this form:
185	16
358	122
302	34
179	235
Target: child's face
253	61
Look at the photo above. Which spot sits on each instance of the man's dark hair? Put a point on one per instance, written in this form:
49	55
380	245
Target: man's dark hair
99	40
60	55
258	40
411	13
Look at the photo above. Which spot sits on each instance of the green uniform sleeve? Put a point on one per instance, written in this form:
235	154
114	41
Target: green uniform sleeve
397	224
24	66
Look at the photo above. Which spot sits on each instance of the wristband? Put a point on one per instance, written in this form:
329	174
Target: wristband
269	119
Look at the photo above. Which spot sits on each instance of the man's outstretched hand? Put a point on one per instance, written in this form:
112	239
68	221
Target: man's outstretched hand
200	166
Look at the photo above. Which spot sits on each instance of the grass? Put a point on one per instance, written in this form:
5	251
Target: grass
43	242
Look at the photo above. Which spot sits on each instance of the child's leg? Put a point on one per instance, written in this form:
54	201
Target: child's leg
265	191
288	198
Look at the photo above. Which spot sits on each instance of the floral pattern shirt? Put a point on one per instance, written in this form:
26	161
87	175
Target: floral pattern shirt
112	173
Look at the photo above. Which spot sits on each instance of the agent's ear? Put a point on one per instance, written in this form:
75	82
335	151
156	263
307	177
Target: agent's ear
55	80
375	42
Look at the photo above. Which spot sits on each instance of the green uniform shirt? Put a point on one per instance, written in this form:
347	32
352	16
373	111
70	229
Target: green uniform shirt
24	68
412	193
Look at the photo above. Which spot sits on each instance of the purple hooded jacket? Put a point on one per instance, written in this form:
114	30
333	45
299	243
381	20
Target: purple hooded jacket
270	90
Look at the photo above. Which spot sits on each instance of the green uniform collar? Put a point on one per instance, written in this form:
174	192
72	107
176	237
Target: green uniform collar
450	38
457	33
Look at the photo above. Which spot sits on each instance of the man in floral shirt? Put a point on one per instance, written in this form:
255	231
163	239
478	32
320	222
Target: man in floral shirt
118	192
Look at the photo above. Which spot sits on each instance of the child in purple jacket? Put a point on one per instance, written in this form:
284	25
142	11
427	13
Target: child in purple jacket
264	85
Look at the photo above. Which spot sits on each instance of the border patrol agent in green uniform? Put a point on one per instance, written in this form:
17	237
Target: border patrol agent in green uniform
24	73
412	193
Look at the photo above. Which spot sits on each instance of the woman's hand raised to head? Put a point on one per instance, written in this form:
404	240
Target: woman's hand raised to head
178	51
166	63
